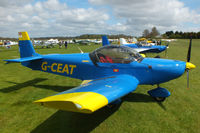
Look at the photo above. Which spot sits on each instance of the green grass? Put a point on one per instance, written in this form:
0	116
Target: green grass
21	86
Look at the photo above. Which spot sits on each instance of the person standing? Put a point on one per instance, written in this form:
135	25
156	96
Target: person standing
65	44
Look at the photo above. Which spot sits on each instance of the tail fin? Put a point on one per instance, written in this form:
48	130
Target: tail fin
122	41
27	52
105	41
25	45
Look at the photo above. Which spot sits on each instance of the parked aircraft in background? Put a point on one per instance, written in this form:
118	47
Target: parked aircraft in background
7	44
96	41
82	42
48	44
137	47
144	44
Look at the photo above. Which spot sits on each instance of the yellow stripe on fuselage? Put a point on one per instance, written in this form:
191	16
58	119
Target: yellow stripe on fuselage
84	102
23	36
85	61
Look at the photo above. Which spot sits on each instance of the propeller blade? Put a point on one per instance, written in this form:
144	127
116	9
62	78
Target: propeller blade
189	50
188	64
187	78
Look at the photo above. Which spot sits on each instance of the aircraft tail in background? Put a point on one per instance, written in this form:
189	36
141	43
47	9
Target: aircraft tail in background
105	41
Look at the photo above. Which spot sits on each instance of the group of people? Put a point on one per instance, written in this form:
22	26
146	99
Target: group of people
63	42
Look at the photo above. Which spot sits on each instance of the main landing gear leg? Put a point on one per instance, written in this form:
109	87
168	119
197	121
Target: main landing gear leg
115	104
159	94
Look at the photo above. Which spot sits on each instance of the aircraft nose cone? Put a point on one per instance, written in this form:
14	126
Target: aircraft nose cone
190	65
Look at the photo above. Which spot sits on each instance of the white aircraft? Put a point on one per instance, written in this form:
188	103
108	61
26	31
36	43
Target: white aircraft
8	44
48	44
96	41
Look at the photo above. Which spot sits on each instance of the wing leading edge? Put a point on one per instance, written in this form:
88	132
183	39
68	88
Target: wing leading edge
146	50
92	96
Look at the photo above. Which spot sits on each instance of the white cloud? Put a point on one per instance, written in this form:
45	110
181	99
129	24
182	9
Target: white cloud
10	18
139	15
56	18
54	5
49	18
11	3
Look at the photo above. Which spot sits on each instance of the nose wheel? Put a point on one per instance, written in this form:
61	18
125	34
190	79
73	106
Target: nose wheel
159	94
160	99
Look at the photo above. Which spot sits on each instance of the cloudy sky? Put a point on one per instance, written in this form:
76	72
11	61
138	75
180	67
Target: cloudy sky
76	17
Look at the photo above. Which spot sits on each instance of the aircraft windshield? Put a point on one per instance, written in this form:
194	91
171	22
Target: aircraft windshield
116	54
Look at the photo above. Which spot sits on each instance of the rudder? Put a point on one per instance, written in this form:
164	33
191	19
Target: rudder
105	41
25	45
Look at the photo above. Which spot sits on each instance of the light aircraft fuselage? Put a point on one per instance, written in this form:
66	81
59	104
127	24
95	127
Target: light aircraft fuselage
113	71
80	66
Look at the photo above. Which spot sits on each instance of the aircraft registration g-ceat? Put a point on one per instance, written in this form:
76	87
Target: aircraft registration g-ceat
114	71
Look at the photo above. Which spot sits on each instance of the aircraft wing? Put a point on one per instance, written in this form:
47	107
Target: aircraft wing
92	96
146	50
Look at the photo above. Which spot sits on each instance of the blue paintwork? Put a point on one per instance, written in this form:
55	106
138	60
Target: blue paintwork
26	49
112	87
105	41
80	66
149	71
152	49
159	92
164	70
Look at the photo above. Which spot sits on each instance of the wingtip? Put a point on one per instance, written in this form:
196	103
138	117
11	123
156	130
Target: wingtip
75	102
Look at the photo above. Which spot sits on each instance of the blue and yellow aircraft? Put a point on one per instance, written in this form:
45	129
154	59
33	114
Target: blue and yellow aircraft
137	46
113	71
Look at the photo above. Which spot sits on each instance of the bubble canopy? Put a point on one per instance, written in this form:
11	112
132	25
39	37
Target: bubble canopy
115	54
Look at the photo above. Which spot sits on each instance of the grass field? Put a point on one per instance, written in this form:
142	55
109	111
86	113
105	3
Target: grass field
20	86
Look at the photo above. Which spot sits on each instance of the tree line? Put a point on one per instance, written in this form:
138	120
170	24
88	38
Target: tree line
84	36
181	35
170	34
98	36
153	34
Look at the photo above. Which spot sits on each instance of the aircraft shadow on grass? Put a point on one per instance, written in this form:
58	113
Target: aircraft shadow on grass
19	86
63	121
56	88
132	97
69	122
33	83
139	97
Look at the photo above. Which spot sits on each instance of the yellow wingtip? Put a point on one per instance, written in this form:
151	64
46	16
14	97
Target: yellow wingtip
83	102
23	36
